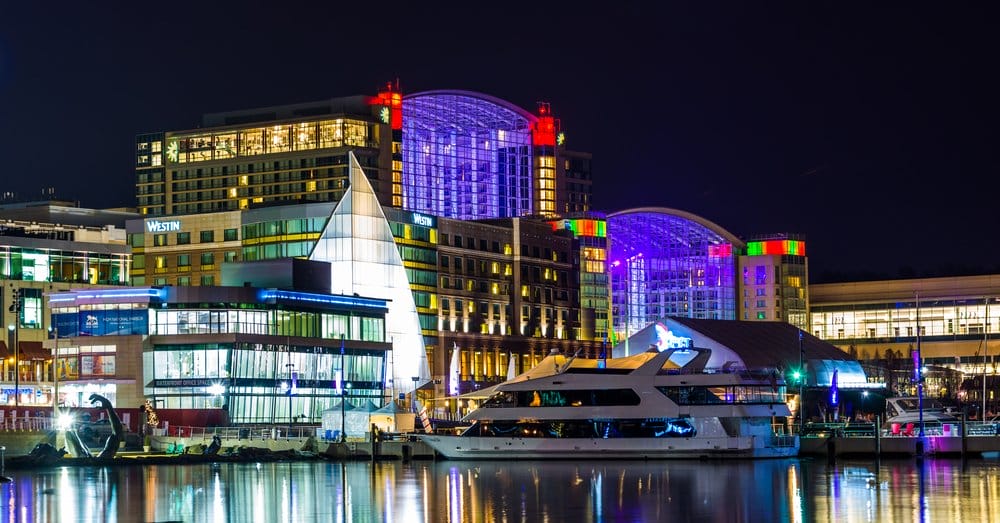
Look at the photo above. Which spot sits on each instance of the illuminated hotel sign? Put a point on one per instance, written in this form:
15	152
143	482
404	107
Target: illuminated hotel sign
420	219
163	226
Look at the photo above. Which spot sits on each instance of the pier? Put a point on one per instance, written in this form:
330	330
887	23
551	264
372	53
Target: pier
966	439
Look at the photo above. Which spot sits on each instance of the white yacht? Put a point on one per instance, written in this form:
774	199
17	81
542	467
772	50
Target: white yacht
644	406
904	410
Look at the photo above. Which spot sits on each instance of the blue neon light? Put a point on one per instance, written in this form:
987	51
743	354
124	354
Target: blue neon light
322	299
105	294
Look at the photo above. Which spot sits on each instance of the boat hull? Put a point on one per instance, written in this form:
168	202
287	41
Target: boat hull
474	447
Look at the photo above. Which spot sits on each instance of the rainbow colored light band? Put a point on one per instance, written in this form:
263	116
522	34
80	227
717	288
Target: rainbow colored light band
780	247
583	227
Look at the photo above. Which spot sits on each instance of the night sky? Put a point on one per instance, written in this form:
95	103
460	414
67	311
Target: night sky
866	131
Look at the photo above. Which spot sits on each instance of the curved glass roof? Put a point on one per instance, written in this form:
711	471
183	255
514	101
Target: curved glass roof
466	155
666	262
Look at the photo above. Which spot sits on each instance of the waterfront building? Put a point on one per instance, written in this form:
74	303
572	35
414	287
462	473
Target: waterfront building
954	321
508	296
282	153
207	355
358	244
183	250
775	279
47	246
448	153
591	258
667	262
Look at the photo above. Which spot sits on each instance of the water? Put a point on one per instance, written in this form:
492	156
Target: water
452	491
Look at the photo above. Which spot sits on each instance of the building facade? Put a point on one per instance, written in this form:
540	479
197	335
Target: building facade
775	280
284	153
260	355
666	262
591	271
456	154
44	247
954	322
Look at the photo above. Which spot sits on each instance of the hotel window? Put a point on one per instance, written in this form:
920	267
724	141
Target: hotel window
161	262
207	280
183	260
183	281
207	258
207	236
230	235
230	256
183	238
160	240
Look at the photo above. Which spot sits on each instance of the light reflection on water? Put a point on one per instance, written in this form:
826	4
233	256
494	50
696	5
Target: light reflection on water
603	491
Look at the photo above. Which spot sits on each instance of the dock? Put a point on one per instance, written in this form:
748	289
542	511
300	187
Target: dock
966	439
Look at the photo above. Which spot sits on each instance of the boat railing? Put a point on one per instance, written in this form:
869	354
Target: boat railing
743	372
783	441
899	430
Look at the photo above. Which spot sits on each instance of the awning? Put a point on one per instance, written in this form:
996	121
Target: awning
27	350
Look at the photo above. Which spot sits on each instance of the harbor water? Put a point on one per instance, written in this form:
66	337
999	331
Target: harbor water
793	490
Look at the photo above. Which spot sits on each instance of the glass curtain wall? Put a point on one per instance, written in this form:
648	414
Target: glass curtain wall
363	257
664	263
18	263
466	156
258	378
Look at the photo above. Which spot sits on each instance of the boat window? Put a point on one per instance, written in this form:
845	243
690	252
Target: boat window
577	398
742	394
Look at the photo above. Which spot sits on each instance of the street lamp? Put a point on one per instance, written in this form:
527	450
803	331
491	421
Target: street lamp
413	399
291	368
12	339
55	372
801	379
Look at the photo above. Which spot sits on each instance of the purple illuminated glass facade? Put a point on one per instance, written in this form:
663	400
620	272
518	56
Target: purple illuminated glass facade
666	262
466	155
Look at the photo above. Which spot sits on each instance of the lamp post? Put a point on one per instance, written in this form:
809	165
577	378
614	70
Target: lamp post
802	378
413	399
343	392
15	309
291	368
55	371
12	340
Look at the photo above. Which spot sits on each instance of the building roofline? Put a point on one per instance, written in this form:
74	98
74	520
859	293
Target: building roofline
712	226
480	96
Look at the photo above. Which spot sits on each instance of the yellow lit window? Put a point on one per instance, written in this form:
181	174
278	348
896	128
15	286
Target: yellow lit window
311	185
524	291
496	268
472	307
244	180
232	192
496	288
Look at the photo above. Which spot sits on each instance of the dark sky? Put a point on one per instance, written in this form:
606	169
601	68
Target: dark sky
865	130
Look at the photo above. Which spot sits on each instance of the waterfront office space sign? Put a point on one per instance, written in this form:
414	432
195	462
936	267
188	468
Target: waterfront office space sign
163	225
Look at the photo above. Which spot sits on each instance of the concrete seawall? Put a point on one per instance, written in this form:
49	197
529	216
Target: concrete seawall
349	450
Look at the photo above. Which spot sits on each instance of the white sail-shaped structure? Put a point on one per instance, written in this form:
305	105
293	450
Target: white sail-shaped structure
364	260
